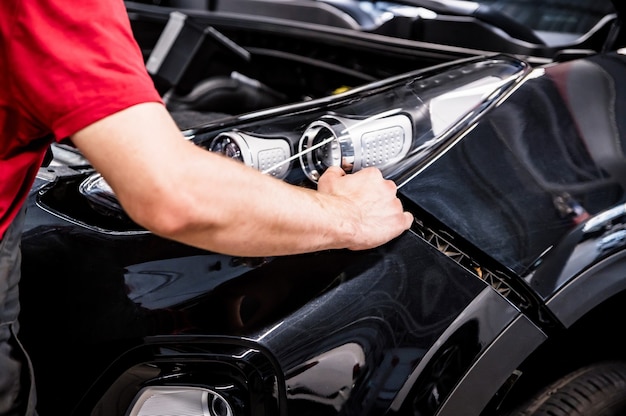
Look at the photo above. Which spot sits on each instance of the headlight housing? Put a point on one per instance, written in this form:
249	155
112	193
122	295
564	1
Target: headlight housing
354	144
399	125
270	155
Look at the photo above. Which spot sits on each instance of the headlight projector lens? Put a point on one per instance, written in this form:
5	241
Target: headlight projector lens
354	144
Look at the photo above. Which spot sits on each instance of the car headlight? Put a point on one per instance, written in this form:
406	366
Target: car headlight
270	156
99	194
170	400
400	125
354	144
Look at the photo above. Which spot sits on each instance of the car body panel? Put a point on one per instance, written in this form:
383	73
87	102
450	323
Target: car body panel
113	291
519	207
484	380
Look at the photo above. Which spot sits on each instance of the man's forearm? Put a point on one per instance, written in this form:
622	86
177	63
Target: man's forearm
183	192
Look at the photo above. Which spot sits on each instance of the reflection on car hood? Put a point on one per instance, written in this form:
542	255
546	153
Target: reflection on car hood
536	167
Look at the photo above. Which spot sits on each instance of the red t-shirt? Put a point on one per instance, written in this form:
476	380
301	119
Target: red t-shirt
63	65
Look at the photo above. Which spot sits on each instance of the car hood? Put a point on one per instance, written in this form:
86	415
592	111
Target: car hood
538	176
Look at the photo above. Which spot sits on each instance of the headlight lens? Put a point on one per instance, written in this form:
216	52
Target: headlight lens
100	195
228	147
354	144
399	125
183	401
270	155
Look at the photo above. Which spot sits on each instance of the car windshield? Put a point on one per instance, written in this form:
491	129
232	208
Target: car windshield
562	16
565	16
554	21
551	23
526	27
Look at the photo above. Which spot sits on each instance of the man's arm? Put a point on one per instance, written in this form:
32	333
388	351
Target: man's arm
182	192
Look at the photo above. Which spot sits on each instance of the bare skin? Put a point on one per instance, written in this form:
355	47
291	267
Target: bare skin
182	192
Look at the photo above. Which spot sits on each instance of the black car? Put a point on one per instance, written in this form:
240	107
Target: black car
506	140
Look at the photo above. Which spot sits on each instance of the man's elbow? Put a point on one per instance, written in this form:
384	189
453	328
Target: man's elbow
169	218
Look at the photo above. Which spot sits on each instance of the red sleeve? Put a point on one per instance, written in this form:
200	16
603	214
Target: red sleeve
75	62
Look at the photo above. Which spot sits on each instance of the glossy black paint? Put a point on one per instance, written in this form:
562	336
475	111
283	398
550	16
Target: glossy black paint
513	211
241	371
521	208
107	292
484	384
394	304
603	135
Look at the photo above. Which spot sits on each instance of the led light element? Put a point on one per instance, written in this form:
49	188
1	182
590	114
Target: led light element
354	144
269	155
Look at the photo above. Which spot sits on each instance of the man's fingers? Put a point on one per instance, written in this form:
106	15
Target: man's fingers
409	219
334	171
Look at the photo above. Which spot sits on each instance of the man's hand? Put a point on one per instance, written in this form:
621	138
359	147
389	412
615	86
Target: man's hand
376	210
